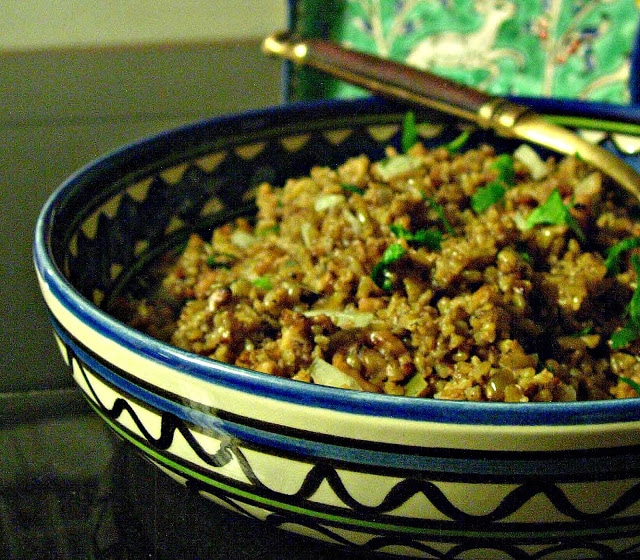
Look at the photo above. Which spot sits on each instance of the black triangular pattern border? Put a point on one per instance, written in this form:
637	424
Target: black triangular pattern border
91	260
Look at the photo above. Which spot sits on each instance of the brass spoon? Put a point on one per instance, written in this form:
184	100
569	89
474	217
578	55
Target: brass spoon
398	81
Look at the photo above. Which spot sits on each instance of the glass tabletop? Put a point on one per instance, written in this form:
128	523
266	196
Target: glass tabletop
70	490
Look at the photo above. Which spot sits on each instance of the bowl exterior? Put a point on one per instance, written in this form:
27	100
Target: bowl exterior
397	476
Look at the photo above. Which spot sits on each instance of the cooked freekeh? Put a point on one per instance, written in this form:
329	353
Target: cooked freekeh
468	276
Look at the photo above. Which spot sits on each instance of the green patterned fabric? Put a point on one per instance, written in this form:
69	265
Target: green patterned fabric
573	49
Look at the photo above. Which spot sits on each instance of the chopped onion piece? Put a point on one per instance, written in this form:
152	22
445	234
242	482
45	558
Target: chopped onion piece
417	386
323	373
397	165
242	239
589	189
526	155
344	319
353	220
327	201
307	232
520	221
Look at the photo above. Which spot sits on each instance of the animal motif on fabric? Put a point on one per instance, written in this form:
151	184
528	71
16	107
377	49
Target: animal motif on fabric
575	49
475	50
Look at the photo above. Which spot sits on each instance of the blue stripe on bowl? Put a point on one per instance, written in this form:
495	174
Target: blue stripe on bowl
441	464
461	525
530	414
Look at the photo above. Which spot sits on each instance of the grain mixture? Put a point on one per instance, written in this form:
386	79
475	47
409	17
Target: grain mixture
471	276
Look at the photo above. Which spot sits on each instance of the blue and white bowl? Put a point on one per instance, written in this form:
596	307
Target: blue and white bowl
416	477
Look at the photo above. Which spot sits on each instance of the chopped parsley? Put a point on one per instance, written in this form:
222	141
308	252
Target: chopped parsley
352	188
220	260
409	132
262	283
614	254
583	332
493	192
439	210
523	251
268	230
634	385
487	196
506	171
554	212
631	330
381	274
458	142
430	238
526	257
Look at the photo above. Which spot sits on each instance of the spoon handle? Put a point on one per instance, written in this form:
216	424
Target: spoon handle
377	75
401	82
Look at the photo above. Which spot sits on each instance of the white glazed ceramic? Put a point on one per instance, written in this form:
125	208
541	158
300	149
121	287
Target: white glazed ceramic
416	477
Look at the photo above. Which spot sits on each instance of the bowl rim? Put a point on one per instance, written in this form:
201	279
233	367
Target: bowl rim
362	403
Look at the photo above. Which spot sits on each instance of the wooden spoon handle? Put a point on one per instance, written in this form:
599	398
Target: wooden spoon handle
384	77
388	77
398	81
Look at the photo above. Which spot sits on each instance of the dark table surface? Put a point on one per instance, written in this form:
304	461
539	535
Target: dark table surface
70	490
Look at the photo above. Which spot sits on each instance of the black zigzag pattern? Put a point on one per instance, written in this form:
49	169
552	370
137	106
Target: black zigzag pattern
323	472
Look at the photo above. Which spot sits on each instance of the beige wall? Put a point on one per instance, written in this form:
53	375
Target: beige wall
76	83
38	24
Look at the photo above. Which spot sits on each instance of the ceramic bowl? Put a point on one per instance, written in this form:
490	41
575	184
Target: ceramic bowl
416	477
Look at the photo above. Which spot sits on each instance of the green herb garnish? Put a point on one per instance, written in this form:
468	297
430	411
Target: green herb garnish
213	263
409	132
430	238
458	142
493	192
526	257
439	210
262	282
583	332
626	335
380	273
275	228
631	329
352	188
523	251
220	260
612	263
487	196
634	385
506	170
554	212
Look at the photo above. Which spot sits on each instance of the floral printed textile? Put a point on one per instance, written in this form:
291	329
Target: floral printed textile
573	49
